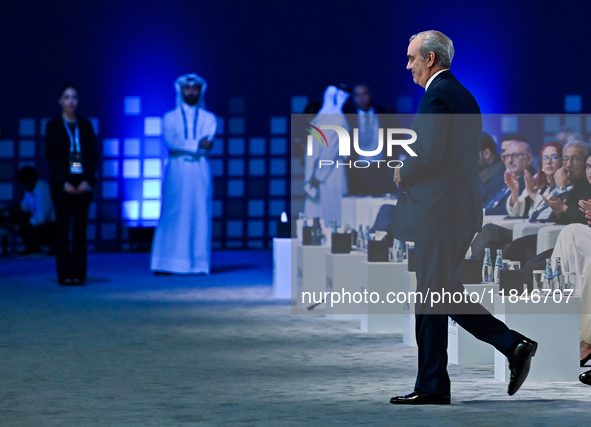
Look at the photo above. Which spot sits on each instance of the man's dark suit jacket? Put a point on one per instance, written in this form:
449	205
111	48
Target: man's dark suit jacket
441	187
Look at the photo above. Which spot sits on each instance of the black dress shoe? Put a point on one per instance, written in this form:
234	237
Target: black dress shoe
520	362
418	398
585	377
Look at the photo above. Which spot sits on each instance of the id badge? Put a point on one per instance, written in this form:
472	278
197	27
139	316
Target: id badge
76	163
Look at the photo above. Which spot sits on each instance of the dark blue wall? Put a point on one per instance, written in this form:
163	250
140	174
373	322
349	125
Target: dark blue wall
516	56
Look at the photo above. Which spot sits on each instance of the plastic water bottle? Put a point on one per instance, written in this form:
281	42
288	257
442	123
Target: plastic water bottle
498	265
360	244
300	223
487	268
367	238
557	273
398	251
549	277
333	226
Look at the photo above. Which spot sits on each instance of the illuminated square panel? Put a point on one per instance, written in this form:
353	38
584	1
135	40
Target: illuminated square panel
109	231
6	191
573	103
110	189
131	168
236	167
278	146
218	208
236	125
278	167
256	208
276	207
218	147
26	148
255	228
217	167
277	187
298	104
7	149
91	232
26	127
43	125
509	124
152	168
236	146
152	147
152	188
278	125
552	124
573	122
131	147
237	105
131	210
110	147
220	129
235	188
132	105
92	211
152	126
234	229
151	209
256	146
110	168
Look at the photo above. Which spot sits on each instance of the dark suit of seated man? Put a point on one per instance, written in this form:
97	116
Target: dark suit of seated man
440	209
368	119
491	168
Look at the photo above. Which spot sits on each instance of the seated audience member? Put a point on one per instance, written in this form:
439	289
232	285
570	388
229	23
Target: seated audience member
585	377
33	219
491	167
536	188
564	212
368	118
517	158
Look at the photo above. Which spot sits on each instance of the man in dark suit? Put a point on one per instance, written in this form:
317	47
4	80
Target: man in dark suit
440	209
368	118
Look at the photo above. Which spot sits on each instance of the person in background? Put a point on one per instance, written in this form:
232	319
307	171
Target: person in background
492	168
182	240
33	219
71	152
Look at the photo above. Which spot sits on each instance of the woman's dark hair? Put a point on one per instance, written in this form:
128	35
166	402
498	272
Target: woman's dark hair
541	180
67	86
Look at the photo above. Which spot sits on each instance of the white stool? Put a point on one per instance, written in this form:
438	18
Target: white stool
311	276
462	347
283	273
382	278
409	284
343	274
555	327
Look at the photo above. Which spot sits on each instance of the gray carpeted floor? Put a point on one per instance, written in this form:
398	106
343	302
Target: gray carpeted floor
130	348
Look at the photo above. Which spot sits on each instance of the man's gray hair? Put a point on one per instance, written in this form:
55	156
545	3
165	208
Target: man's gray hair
436	41
580	144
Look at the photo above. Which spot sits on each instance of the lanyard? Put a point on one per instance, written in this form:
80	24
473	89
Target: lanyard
194	123
73	139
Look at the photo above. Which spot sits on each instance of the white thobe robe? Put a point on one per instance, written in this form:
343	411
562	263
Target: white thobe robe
182	240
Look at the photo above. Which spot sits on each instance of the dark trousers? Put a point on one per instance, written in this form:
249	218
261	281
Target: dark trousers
438	264
71	211
496	237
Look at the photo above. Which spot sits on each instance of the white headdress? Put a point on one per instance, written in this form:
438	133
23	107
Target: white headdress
190	79
334	99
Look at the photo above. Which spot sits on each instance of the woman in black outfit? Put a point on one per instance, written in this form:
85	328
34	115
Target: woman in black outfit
72	157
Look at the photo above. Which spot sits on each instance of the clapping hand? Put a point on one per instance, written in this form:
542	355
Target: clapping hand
530	184
557	204
561	177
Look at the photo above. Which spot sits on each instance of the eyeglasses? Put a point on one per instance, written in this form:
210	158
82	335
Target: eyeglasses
553	157
573	159
513	156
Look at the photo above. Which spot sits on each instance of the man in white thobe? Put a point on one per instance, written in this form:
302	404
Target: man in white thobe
326	186
182	241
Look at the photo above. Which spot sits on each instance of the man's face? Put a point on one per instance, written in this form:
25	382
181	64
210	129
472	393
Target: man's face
416	64
191	93
516	158
484	155
362	97
573	161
